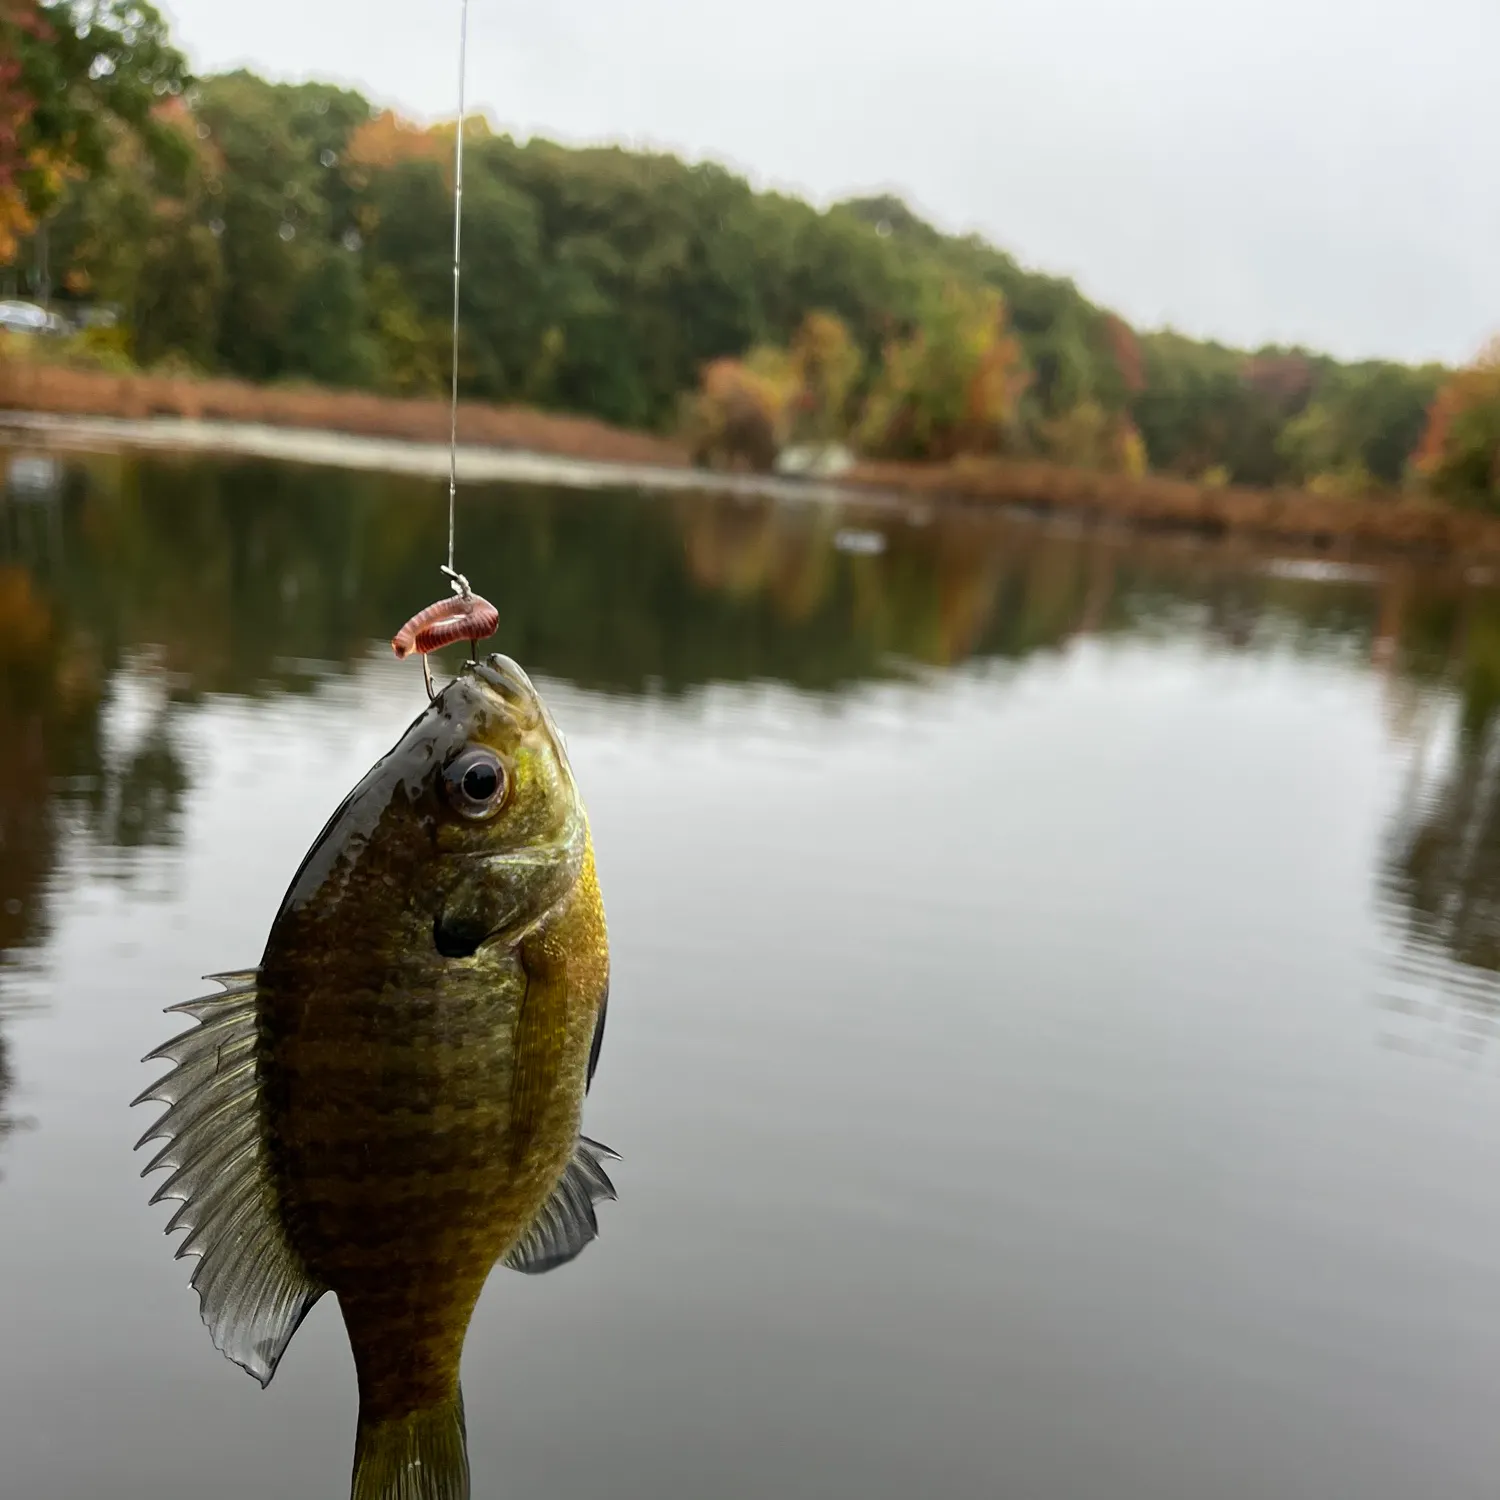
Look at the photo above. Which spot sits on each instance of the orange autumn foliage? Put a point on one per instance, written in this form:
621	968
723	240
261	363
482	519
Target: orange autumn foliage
1459	455
737	418
388	139
17	18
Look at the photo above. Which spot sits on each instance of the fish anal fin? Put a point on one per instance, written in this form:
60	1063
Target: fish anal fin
252	1287
567	1221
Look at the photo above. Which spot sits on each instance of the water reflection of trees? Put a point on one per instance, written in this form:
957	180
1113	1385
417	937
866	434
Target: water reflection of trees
252	579
59	656
7	1124
237	574
1441	870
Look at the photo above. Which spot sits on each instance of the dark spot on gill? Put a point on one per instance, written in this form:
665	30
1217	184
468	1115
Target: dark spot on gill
458	936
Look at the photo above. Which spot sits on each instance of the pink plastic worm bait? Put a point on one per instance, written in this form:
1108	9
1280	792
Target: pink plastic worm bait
465	617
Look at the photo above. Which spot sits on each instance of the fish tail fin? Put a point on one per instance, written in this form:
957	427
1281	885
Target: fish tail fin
422	1455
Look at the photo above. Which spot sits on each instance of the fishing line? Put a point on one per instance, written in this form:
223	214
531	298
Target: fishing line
465	617
459	582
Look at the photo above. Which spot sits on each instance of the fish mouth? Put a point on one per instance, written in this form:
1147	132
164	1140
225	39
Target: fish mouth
495	687
502	678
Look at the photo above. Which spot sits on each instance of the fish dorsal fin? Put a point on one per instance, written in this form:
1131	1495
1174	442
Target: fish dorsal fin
566	1223
252	1286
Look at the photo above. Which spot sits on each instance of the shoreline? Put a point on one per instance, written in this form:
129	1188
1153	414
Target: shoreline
63	408
1292	555
327	448
32	433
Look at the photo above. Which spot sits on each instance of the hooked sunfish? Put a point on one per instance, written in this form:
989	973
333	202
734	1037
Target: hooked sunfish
390	1104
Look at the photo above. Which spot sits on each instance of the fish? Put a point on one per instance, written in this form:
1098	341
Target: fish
390	1104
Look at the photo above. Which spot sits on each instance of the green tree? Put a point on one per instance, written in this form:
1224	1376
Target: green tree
147	246
330	335
275	233
1364	420
1089	437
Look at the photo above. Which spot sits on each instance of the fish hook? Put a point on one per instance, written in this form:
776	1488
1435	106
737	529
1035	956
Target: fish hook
460	586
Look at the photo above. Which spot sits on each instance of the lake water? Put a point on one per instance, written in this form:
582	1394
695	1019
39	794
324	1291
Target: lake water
1052	1040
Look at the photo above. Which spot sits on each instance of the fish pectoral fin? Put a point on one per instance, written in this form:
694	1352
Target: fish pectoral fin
252	1287
566	1223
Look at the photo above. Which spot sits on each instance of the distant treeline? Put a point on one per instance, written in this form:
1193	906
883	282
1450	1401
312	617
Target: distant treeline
283	232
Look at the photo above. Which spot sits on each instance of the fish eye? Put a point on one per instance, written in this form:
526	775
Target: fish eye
475	783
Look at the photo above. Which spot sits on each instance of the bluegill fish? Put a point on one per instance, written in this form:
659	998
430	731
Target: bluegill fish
390	1104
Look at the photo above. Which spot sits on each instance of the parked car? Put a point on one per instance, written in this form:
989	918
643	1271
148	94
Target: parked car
27	317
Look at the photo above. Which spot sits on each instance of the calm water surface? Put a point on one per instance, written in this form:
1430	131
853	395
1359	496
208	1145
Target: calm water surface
1052	1040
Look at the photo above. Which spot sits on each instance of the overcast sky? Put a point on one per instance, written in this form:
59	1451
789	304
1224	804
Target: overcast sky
1314	171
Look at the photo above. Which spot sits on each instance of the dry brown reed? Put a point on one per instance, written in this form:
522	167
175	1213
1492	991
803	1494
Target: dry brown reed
1330	523
32	386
